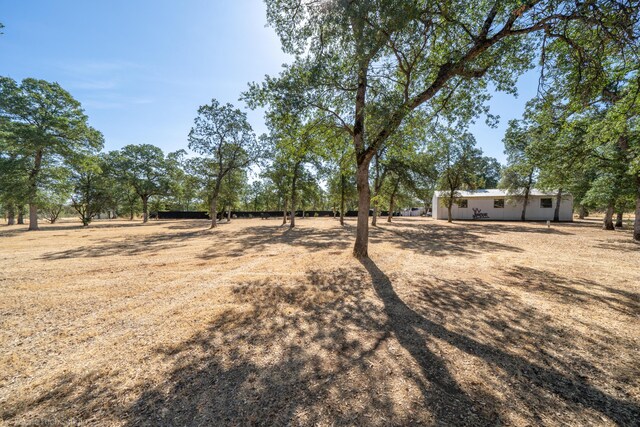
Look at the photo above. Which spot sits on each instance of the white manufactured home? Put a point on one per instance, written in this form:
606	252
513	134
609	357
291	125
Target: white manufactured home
497	205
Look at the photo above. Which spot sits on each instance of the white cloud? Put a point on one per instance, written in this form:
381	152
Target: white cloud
114	102
96	84
92	67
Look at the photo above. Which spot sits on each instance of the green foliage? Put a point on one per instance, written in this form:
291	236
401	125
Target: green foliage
232	188
13	180
123	198
43	116
259	194
183	187
223	135
419	175
591	149
278	180
336	184
42	129
489	171
200	169
407	55
90	194
520	175
370	66
55	192
460	164
144	168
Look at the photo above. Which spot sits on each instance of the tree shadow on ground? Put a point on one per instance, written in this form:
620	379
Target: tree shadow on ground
533	379
488	227
262	238
130	246
574	291
13	230
184	224
346	347
321	352
513	227
430	238
437	239
468	239
252	239
627	246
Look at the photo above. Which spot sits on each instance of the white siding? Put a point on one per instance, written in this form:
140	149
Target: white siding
512	210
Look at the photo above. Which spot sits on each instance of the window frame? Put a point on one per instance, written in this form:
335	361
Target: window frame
550	199
464	202
501	203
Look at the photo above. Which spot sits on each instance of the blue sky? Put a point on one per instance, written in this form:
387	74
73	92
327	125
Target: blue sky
141	68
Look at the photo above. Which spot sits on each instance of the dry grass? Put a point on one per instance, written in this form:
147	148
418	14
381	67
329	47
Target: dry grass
450	324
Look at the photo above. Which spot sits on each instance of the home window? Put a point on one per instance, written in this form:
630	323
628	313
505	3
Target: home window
546	203
498	203
463	203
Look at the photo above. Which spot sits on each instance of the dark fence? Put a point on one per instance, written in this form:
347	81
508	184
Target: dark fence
316	213
268	214
255	214
252	214
181	215
382	213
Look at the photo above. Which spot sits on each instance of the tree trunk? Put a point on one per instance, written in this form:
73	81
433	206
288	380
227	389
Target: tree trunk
361	246
33	217
375	212
342	190
55	213
145	211
213	211
33	190
619	220
131	215
527	189
21	215
293	197
449	205
607	223
11	214
284	212
636	223
392	201
556	213
213	208
376	191
363	158
229	214
582	212
523	216
624	144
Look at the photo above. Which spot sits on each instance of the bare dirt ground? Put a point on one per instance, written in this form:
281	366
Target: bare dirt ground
448	324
